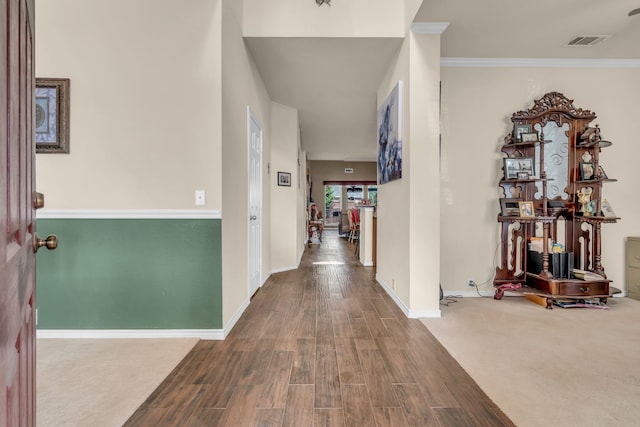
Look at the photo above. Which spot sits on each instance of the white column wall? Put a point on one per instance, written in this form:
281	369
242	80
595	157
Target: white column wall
284	200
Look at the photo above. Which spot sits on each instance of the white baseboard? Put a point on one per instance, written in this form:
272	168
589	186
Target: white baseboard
283	269
204	334
411	314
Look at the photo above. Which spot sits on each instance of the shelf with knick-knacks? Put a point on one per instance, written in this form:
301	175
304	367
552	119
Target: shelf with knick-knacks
555	145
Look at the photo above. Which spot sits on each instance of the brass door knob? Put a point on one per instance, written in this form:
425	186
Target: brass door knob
38	200
51	242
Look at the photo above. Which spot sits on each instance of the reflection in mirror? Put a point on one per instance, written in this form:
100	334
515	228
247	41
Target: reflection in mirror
556	160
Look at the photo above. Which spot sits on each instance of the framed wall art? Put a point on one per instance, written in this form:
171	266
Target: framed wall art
390	136
52	115
284	179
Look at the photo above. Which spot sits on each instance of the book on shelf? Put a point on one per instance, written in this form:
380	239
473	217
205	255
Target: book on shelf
586	275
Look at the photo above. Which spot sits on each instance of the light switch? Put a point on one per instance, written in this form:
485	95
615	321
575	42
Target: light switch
200	198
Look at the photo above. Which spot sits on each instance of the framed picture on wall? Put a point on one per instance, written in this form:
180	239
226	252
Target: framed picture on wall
52	115
284	179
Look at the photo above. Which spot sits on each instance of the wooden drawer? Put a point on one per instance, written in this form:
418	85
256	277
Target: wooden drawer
582	288
569	287
633	252
633	283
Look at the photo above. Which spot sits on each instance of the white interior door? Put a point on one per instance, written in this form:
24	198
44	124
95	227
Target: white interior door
255	201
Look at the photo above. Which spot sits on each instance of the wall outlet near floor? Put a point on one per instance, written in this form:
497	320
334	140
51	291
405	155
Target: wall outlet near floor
471	282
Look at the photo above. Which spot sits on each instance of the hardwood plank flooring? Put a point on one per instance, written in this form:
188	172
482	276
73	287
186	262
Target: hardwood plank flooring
322	345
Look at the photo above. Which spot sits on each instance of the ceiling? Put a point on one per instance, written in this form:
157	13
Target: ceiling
333	82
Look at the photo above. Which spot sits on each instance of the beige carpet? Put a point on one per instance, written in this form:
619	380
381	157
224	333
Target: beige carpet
560	367
100	382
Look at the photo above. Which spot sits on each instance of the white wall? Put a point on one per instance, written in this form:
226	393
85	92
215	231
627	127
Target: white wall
477	104
296	18
145	102
424	174
284	200
408	212
242	87
393	232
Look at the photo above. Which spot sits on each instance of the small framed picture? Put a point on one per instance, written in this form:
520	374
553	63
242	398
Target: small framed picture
526	209
52	115
515	165
519	129
529	136
586	171
523	175
509	207
284	179
607	211
603	175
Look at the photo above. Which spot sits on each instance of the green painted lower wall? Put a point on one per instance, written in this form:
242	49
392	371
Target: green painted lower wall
130	274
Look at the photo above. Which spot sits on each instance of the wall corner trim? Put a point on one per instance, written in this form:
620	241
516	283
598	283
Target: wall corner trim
393	296
429	27
235	318
411	314
129	214
203	334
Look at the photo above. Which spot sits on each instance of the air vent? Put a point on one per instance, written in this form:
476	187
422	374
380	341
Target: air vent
584	41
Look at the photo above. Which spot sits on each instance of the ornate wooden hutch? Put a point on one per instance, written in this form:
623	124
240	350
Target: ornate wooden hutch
552	200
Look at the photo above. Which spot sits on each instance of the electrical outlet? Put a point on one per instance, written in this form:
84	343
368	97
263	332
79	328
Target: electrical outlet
471	282
200	198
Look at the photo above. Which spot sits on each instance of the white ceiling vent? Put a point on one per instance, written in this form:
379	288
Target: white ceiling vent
584	41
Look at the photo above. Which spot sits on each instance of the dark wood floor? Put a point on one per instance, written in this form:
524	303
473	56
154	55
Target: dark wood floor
322	345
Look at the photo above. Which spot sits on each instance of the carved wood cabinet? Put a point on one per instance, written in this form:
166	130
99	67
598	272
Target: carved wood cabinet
552	200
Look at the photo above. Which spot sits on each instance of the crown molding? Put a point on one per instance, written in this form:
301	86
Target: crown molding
129	214
539	63
429	27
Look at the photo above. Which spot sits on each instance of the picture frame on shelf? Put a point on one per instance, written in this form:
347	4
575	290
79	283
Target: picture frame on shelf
515	165
519	129
529	136
284	179
523	175
587	171
607	210
51	112
526	209
602	173
509	207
